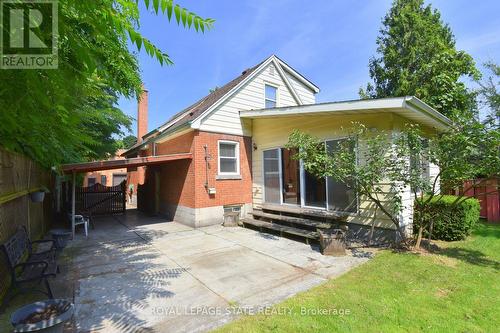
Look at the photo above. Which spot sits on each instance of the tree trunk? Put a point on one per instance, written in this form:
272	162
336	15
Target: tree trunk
431	226
419	236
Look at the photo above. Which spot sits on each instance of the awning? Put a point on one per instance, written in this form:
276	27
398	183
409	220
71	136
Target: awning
123	163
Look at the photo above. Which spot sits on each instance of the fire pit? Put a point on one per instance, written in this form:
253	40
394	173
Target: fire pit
45	316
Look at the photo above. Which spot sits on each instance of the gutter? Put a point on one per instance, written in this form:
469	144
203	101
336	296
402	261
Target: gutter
153	139
426	109
167	133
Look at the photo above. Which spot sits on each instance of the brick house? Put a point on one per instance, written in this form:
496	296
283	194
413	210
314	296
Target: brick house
236	137
110	177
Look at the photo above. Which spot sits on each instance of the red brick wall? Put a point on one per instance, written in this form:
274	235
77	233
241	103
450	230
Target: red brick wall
177	178
183	182
228	191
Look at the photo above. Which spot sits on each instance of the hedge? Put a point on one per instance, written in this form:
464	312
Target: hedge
452	221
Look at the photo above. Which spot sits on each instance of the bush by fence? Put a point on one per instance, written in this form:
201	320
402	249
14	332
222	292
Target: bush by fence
452	219
19	176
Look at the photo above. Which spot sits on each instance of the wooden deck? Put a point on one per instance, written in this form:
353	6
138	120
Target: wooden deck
317	213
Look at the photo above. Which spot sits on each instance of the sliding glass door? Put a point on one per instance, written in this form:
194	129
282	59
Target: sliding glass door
314	190
341	197
286	182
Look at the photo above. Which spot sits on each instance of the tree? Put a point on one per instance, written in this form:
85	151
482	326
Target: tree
129	141
386	164
490	93
69	114
417	56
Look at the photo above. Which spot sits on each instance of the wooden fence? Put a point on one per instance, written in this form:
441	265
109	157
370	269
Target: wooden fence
488	193
18	177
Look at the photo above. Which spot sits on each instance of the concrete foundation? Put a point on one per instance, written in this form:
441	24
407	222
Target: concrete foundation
200	217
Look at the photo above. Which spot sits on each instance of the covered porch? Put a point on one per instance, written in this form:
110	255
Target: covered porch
280	180
128	163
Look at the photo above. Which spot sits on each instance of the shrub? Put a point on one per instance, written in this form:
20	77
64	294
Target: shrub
452	221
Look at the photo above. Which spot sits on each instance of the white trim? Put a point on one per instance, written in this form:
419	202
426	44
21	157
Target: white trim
297	75
287	83
237	156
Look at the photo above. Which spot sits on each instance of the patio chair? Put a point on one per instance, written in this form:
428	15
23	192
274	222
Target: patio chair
81	220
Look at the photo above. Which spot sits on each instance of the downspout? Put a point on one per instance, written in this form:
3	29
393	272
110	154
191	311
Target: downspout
207	158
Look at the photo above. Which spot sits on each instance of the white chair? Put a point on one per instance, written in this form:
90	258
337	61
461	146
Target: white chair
79	220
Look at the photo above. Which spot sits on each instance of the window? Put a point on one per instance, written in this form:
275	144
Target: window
232	209
91	181
229	158
103	180
271	93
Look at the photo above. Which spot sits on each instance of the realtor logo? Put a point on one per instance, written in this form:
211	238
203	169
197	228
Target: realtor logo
28	39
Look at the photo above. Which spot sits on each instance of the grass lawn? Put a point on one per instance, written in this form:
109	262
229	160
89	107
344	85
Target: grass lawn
456	289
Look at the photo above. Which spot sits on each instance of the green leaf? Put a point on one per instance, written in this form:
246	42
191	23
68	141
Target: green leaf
177	10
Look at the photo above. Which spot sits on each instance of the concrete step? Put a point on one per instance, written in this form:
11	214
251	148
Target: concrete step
282	229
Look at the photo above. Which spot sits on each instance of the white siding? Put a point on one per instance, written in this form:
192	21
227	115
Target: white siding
433	173
225	118
307	96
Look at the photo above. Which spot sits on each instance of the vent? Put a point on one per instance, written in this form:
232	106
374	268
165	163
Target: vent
271	70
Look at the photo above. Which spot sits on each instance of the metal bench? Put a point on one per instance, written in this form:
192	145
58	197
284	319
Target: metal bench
28	266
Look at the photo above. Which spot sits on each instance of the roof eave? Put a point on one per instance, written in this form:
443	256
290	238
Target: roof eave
396	105
299	76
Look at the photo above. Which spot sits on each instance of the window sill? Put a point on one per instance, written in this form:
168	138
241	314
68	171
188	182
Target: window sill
224	177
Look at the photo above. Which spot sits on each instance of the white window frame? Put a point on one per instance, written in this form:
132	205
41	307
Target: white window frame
237	153
268	99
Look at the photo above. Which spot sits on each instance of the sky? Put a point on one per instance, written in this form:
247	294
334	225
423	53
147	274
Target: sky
328	41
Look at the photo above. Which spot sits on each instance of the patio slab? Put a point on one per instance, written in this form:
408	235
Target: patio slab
144	274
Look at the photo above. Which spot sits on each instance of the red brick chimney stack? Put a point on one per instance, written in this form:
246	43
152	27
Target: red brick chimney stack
142	115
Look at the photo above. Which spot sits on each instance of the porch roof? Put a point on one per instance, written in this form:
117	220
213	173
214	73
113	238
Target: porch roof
123	163
409	107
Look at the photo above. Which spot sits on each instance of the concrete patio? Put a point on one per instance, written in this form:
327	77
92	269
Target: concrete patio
144	274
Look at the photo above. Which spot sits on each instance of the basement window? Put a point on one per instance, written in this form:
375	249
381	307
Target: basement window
229	158
233	209
271	94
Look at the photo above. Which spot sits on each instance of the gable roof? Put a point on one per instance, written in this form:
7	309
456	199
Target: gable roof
205	104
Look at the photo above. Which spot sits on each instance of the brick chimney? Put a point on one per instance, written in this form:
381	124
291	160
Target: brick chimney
142	115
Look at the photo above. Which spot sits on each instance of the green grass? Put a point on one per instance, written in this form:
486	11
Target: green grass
455	289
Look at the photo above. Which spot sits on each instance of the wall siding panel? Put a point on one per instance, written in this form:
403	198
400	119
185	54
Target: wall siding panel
225	118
